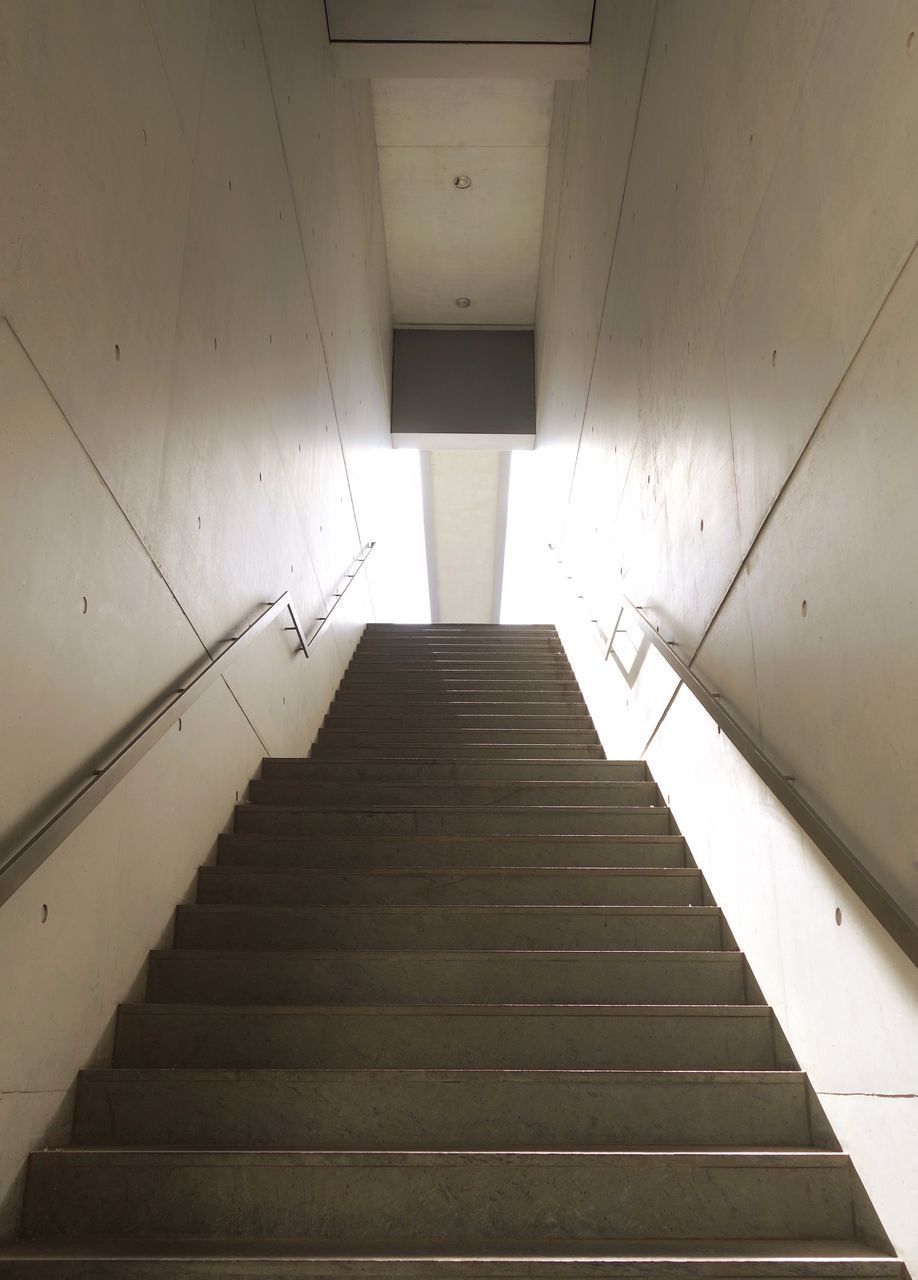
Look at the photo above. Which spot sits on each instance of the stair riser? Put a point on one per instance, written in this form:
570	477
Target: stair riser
226	1267
482	701
449	1202
436	749
454	720
385	738
497	771
415	677
409	667
442	686
679	887
173	1036
423	1111
341	852
434	822
249	928
272	791
462	652
297	977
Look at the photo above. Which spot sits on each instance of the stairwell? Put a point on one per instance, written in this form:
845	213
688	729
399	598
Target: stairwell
453	1001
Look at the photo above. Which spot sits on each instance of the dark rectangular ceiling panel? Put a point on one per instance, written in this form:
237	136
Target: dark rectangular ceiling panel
461	381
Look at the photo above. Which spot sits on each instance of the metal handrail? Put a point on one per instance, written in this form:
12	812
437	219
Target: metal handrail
900	927
878	901
23	860
360	561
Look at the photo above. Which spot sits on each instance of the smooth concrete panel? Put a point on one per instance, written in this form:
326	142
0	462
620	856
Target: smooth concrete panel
465	497
835	680
481	243
74	578
596	127
181	29
845	995
93	216
455	113
328	135
74	939
252	438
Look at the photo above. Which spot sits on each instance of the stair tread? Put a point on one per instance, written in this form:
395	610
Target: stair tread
498	908
249	806
572	871
645	1252
767	1157
155	1008
597	1075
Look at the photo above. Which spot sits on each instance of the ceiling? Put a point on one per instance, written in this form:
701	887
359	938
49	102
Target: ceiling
463	89
481	243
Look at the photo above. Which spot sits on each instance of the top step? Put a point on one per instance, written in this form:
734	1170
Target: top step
472	628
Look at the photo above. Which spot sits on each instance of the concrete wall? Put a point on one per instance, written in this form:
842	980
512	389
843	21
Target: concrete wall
726	357
194	365
723	310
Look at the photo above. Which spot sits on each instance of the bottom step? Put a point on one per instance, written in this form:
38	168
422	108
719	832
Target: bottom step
228	1260
443	1202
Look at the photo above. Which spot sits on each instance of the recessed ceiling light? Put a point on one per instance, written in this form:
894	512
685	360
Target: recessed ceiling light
462	180
463	302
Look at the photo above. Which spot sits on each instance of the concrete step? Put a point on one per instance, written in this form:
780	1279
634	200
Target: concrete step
411	672
278	791
441	1110
456	820
244	925
416	721
438	684
545	640
462	886
525	701
362	977
82	1259
437	748
444	741
457	644
470	736
558	1037
524	655
448	1200
384	769
342	851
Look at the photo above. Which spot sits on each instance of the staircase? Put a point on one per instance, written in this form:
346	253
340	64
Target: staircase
453	1002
